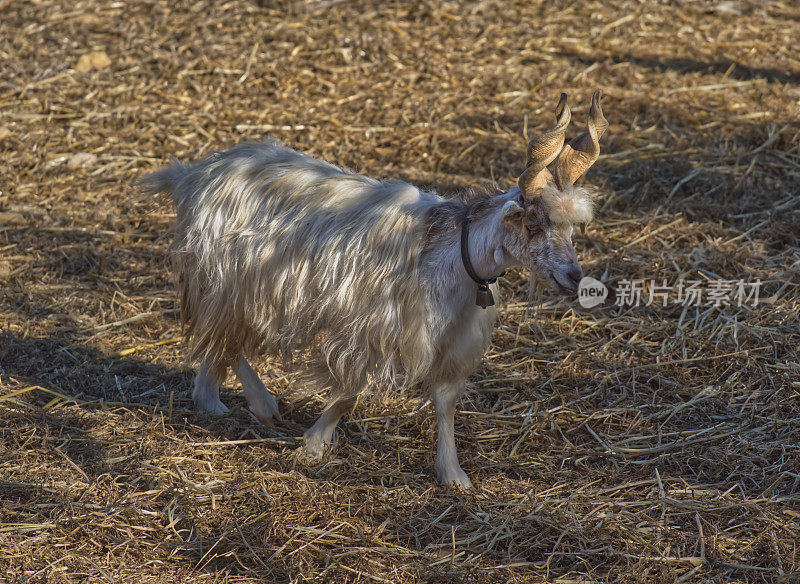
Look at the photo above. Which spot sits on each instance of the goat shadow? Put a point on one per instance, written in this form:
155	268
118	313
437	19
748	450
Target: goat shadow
62	371
66	371
136	389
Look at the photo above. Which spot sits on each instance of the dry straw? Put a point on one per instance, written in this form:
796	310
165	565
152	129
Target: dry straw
628	445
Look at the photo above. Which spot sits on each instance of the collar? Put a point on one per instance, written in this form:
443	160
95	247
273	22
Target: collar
484	296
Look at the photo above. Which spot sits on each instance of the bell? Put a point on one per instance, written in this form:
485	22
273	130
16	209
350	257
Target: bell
484	296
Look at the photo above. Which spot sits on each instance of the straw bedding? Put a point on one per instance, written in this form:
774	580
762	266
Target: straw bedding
625	444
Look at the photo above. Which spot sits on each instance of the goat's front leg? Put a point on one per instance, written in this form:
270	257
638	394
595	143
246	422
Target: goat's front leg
320	435
260	401
448	470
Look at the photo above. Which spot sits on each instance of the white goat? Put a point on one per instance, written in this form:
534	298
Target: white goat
282	252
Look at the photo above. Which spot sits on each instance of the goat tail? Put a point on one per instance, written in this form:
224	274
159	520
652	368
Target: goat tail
166	181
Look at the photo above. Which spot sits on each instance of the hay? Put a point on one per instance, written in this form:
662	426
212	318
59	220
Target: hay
625	444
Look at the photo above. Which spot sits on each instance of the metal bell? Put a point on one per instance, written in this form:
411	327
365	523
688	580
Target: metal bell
484	296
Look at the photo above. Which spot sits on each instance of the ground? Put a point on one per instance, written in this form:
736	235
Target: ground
619	443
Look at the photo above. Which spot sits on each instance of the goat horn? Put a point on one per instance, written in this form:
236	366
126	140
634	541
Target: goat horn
542	150
582	151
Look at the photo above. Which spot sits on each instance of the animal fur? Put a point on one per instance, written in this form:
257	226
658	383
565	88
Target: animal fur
277	251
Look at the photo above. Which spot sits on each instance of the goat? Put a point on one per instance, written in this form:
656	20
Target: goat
386	285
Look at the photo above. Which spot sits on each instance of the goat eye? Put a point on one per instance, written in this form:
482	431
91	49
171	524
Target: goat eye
534	230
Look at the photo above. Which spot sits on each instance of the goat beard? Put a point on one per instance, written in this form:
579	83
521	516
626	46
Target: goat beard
535	287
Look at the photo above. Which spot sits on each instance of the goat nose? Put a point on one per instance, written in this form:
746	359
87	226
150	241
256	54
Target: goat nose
575	273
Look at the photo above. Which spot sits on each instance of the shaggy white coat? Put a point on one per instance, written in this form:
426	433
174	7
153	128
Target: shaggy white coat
278	251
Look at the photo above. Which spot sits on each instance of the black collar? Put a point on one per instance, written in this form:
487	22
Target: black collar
484	296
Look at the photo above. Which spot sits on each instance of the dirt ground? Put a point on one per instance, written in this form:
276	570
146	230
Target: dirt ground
613	444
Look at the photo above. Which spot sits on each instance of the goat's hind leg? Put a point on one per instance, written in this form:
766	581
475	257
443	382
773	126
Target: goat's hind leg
320	435
260	401
206	392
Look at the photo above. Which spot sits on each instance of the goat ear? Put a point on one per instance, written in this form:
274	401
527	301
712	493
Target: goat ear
512	211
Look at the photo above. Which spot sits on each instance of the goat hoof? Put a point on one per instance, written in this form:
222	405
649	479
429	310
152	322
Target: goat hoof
265	408
265	420
212	408
314	449
316	445
266	417
454	478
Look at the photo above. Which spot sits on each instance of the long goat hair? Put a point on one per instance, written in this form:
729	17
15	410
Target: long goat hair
378	283
280	251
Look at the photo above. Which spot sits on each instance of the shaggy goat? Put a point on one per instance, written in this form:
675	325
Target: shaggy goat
282	252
